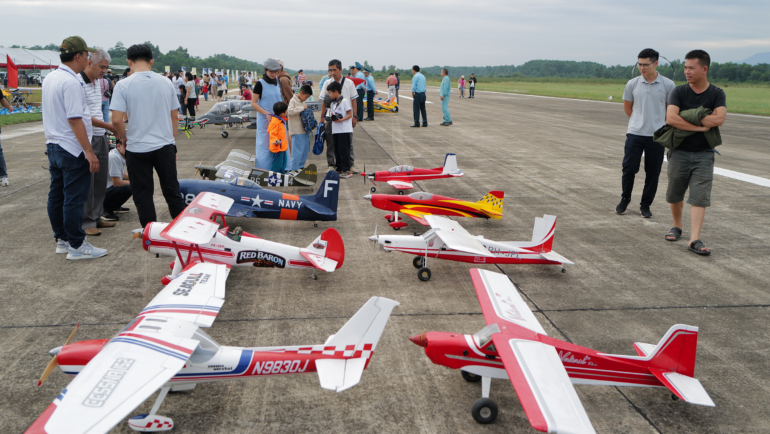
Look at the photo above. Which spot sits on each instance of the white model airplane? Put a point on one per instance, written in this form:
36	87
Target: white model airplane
195	235
448	240
166	348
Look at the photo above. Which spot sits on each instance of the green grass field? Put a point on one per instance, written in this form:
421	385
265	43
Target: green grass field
741	98
20	118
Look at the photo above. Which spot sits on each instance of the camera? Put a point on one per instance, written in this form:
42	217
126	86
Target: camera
333	117
107	94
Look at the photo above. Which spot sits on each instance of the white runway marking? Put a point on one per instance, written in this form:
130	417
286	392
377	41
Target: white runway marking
764	182
402	96
23	132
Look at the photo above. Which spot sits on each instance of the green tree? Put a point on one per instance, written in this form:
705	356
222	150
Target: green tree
118	52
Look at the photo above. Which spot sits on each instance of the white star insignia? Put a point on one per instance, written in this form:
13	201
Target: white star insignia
256	201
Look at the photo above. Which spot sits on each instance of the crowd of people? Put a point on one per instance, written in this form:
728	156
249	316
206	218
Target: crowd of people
90	183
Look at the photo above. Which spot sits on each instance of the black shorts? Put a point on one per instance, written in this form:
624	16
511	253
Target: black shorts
219	92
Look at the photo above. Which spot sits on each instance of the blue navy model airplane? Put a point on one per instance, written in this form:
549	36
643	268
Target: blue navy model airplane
251	200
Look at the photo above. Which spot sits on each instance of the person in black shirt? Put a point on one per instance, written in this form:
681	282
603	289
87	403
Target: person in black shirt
691	164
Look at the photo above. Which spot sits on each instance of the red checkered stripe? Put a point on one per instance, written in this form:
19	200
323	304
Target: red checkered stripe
339	351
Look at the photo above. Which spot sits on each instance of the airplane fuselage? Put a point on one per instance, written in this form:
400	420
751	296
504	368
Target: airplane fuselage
432	204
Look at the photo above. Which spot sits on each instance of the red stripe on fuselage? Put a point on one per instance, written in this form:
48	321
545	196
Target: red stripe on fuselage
158	341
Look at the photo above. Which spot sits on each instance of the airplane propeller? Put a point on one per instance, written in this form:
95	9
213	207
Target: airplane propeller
198	168
55	361
374	238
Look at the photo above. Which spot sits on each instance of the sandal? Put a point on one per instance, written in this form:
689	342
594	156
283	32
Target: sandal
674	234
698	247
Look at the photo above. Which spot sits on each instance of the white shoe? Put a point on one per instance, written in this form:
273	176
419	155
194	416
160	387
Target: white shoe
4	181
85	251
62	246
331	169
354	171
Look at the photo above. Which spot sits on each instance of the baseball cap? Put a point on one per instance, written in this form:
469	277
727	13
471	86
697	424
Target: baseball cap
75	44
280	61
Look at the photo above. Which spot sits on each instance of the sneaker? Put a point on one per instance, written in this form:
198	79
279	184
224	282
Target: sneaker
354	171
62	246
345	175
621	208
85	251
109	216
443	124
293	173
122	210
449	123
424	125
414	126
4	181
92	232
105	224
645	211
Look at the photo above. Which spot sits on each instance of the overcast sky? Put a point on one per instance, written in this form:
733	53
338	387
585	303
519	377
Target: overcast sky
306	34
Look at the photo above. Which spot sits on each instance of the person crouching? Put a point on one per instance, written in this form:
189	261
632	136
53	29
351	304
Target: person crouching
278	142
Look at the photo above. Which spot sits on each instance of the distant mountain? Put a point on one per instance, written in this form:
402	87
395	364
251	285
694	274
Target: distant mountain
757	59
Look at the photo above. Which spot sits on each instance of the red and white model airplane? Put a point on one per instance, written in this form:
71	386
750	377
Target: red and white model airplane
401	177
542	369
196	235
448	240
166	348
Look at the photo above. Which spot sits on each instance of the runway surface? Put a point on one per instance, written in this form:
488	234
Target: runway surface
550	156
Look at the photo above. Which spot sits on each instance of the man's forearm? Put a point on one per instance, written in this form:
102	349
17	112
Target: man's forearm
119	125
6	104
79	128
174	122
677	121
713	120
101	124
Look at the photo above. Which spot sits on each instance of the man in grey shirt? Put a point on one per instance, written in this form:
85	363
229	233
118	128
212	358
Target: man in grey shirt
644	100
150	102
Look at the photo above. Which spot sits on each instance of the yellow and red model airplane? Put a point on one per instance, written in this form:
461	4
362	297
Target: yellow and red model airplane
418	205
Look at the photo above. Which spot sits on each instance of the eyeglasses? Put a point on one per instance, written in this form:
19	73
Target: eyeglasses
644	65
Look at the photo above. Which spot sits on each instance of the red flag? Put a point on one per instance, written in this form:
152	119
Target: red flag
13	74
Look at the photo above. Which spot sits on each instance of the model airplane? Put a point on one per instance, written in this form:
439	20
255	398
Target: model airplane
448	240
418	205
382	106
166	348
401	177
241	163
227	113
196	235
251	200
514	346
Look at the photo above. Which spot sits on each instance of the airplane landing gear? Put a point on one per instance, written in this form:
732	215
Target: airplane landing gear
224	134
563	270
471	378
373	189
315	276
423	274
153	422
484	410
400	192
418	262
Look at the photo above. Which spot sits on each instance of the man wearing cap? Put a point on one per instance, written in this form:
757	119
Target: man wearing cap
71	160
371	90
267	92
150	102
361	89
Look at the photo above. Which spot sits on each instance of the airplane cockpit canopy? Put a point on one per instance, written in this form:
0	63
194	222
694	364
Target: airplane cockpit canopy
402	168
228	107
421	196
243	182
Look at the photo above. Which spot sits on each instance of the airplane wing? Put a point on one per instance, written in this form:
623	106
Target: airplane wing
238	210
501	302
194	225
401	185
542	385
317	208
455	236
196	295
416	216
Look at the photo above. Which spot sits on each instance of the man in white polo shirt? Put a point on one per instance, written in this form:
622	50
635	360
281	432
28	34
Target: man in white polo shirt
67	124
644	101
150	102
97	66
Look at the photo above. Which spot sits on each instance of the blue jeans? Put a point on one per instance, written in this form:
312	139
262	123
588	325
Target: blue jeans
300	146
70	184
3	169
205	96
106	111
445	109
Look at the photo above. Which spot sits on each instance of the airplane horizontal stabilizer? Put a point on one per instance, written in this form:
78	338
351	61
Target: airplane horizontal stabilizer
318	209
688	389
340	374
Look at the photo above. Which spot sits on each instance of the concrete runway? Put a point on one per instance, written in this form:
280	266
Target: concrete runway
550	156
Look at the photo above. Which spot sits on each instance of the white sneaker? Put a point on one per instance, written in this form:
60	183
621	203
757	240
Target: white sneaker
62	246
85	251
4	181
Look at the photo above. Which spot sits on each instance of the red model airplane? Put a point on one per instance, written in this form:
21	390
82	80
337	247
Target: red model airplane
542	369
418	205
401	177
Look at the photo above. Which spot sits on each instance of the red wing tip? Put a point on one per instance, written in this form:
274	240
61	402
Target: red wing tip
498	194
39	383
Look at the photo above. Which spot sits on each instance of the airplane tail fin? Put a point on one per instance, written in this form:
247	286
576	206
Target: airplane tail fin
672	362
494	200
450	165
328	193
542	234
327	252
358	338
308	176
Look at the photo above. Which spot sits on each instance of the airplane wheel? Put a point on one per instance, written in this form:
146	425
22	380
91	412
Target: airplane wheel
372	189
395	110
423	274
230	125
418	262
484	410
315	277
563	270
401	192
224	134
471	378
315	225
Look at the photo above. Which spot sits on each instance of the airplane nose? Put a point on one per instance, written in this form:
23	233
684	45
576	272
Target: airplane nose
55	351
374	238
368	197
420	340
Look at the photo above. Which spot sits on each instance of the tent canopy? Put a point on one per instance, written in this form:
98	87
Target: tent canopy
30	59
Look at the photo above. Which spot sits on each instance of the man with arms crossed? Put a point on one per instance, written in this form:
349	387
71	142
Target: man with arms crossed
150	102
67	124
644	101
691	164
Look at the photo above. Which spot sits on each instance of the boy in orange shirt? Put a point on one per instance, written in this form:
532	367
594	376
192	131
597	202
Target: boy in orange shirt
278	142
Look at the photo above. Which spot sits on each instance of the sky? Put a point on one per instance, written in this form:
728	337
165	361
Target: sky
307	34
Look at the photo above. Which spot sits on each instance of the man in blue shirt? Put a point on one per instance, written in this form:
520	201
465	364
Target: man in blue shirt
361	89
446	87
370	92
418	93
